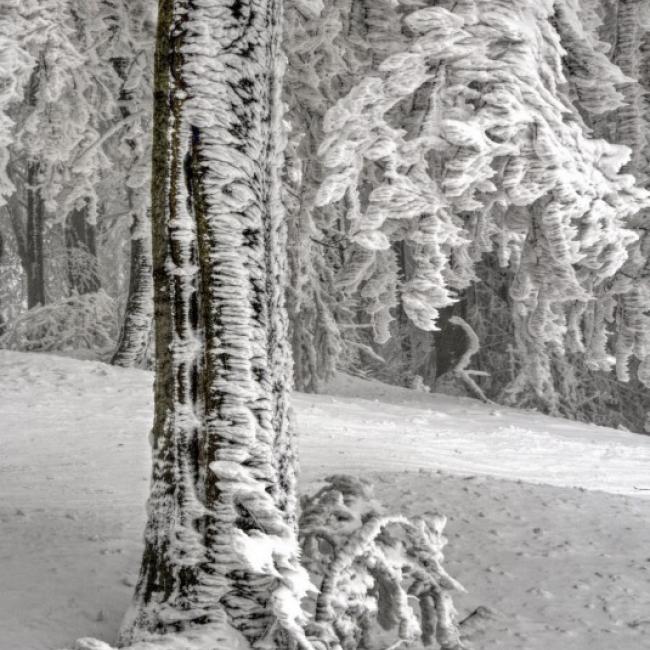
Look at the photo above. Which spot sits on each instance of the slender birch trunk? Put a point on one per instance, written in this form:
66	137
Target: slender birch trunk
223	460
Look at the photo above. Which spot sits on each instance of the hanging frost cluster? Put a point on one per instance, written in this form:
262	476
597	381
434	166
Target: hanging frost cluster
501	159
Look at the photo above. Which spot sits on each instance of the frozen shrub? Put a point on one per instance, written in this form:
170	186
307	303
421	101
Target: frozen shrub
85	322
376	573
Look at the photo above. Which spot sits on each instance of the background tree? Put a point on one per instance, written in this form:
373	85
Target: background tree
133	31
359	295
485	175
60	117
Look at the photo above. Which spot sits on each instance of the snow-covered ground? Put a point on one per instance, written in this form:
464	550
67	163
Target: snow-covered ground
548	518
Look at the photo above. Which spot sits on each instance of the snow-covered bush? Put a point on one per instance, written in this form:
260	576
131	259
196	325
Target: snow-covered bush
81	322
375	572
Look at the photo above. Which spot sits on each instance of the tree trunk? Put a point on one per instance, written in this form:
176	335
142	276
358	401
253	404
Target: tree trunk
34	258
27	223
81	250
135	335
223	456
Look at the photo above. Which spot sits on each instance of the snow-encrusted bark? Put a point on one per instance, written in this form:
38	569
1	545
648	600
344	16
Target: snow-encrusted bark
34	231
130	24
135	334
220	543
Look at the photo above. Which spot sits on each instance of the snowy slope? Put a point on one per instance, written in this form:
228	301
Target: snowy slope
561	567
395	429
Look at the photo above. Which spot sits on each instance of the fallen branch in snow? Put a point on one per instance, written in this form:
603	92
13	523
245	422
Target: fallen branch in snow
477	621
461	368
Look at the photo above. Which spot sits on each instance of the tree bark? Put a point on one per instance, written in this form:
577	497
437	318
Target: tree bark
135	335
27	224
34	230
223	456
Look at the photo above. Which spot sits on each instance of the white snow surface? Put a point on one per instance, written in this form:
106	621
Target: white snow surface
557	566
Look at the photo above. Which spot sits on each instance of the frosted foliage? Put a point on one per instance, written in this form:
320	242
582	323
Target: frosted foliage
622	25
500	139
11	285
16	64
356	131
326	54
369	565
593	77
79	322
629	126
68	100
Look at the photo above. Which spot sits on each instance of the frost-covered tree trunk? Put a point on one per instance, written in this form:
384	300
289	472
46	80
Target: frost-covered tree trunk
28	236
35	214
223	464
34	229
135	73
136	329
